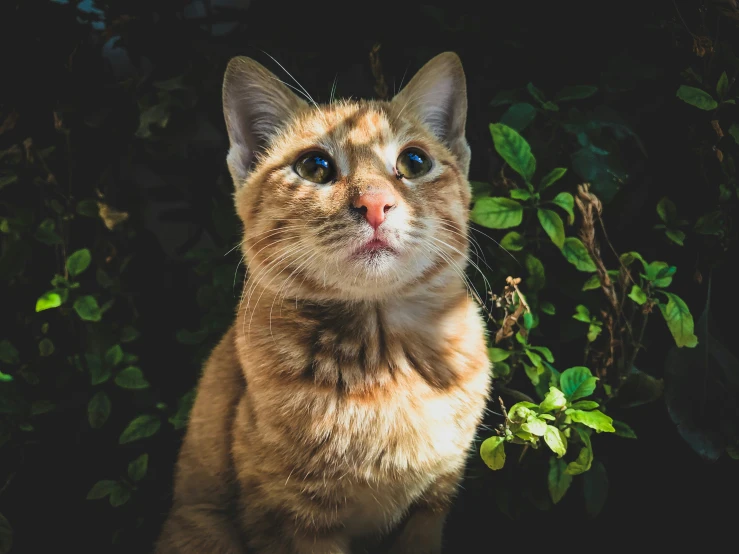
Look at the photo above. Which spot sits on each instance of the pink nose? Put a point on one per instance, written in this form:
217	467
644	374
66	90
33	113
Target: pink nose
374	206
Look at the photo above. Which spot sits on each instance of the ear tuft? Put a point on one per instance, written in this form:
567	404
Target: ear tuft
256	104
437	95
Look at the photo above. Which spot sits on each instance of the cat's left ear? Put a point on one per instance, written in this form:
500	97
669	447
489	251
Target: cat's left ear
437	95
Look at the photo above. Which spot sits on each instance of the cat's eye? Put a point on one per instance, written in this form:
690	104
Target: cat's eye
315	167
412	163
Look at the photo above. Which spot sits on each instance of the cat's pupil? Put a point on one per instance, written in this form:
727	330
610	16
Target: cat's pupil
413	163
314	168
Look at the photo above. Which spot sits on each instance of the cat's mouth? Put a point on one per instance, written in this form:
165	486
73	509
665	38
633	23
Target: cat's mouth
374	247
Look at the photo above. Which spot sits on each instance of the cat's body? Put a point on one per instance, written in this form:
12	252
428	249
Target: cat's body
347	393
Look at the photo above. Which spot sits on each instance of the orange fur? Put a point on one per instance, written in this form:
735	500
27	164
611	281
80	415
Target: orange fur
341	405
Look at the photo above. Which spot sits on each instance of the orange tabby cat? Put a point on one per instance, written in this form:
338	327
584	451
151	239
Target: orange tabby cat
342	403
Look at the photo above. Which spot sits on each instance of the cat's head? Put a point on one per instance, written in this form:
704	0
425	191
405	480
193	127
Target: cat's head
350	200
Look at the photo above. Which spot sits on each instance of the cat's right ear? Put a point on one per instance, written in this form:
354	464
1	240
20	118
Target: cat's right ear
256	104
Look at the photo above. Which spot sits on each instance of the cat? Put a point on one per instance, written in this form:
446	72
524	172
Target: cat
337	412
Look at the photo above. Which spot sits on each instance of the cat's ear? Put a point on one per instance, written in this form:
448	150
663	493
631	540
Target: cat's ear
255	105
437	95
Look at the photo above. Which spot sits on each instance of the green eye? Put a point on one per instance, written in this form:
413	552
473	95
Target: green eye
315	167
412	163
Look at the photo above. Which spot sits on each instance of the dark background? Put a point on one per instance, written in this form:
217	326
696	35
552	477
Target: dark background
176	189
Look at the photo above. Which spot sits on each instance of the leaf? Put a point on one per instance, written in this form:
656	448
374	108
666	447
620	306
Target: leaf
594	329
497	212
184	405
722	86
78	262
498	354
638	388
129	334
623	430
101	489
88	208
131	378
595	488
536	279
554	400
584	459
602	169
629	258
575	252
99	373
577	382
501	370
582	314
137	468
536	93
585	405
8	354
479	190
558	480
676	236
5	378
638	295
87	308
547	308
578	92
592	283
119	495
565	201
46	233
514	149
595	419
114	355
46	347
48	300
6	535
544	351
696	97
98	409
667	211
513	241
734	132
679	320
520	194
556	440
552	225
519	116
492	452
552	177
141	427
535	426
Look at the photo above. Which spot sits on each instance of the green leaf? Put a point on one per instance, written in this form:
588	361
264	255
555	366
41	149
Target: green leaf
514	149
497	212
584	459
498	354
734	132
565	201
585	405
492	452
679	320
552	225
582	314
5	378
8	354
48	300
78	262
501	370
660	273
6	535
88	207
520	194
676	236
629	258
554	400
722	86
141	427
558	480
639	388
99	373
575	252
623	430
192	337
594	329
101	489
595	419
696	97
638	295
119	495
46	347
578	92
87	308
667	211
131	378
535	426
544	351
552	177
137	468
592	283
536	93
547	308
98	409
556	440
536	279
46	233
184	405
528	321
114	355
519	116
577	382
595	488
479	190
513	241
129	334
